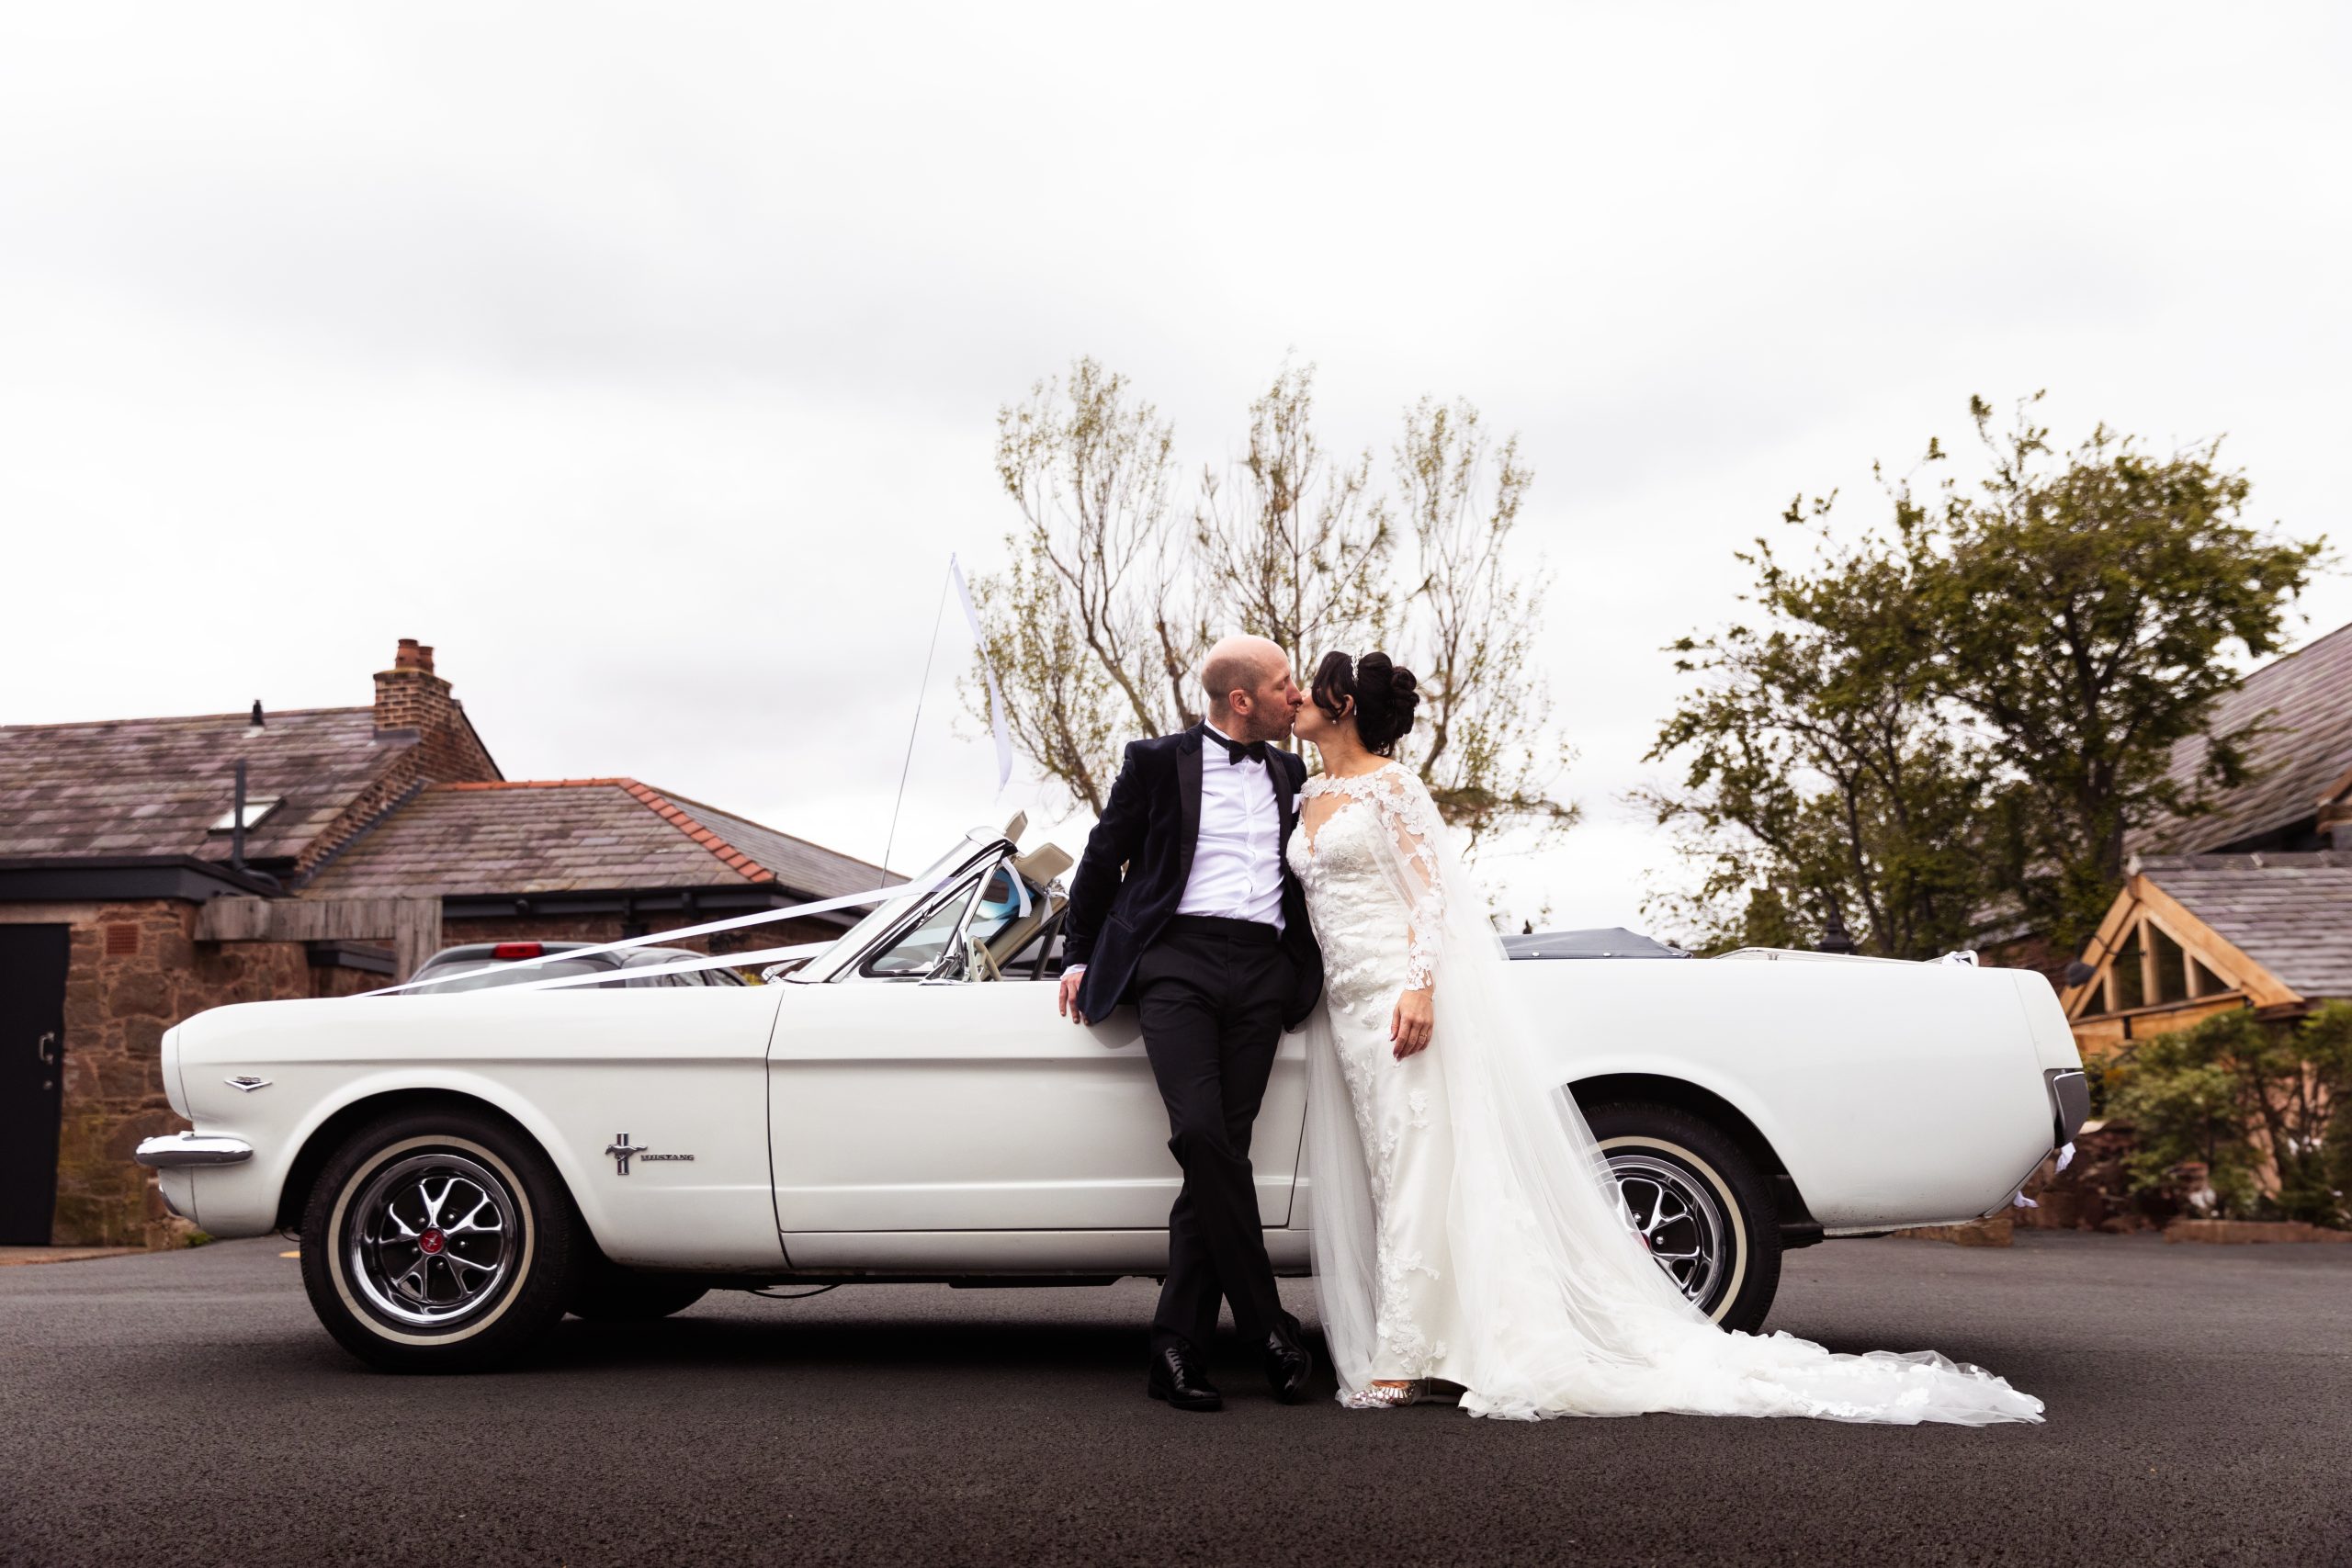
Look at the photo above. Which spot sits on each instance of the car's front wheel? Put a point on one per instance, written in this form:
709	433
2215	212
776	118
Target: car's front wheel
439	1240
1700	1204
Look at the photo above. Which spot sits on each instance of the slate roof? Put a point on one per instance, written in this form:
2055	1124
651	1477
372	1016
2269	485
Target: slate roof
574	834
2309	750
2291	913
152	787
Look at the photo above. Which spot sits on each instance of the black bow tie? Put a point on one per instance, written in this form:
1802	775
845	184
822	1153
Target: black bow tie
1240	751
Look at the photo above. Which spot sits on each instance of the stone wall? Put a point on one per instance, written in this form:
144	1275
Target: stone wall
334	980
135	970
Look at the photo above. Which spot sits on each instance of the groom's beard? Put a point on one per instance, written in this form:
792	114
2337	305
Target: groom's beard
1273	733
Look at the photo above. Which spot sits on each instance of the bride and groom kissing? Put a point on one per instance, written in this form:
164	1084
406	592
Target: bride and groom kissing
1465	1232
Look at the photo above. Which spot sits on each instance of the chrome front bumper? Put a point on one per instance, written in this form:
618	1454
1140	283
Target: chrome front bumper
180	1149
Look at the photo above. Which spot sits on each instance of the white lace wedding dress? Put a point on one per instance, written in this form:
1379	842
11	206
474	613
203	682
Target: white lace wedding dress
1465	1225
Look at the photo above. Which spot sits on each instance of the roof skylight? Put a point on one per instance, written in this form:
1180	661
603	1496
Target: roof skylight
256	807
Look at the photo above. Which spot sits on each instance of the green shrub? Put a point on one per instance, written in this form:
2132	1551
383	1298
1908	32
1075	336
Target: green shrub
2339	1159
2203	1094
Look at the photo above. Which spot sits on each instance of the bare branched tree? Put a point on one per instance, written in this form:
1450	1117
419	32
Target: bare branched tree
1091	628
1097	628
1471	618
1294	547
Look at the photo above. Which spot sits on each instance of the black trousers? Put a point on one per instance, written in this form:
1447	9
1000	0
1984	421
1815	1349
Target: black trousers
1211	994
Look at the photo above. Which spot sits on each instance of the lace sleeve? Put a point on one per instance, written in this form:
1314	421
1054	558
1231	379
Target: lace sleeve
1413	824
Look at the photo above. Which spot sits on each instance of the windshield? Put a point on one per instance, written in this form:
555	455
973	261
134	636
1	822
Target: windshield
918	952
887	914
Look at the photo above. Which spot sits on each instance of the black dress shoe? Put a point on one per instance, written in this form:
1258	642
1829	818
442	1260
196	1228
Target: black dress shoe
1178	1379
1288	1365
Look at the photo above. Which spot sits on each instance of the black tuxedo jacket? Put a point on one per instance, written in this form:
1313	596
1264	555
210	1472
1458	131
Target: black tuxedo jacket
1150	826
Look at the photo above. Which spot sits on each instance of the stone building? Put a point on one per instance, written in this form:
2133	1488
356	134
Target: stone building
372	836
2249	905
2193	935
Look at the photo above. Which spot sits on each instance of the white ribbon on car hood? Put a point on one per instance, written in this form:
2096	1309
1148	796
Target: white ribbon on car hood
676	966
661	939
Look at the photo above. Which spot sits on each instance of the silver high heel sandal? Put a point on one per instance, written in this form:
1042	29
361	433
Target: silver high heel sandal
1389	1395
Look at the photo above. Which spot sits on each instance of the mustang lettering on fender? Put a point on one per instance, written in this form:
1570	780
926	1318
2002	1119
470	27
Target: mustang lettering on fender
621	1151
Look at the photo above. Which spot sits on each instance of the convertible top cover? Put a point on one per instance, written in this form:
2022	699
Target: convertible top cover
1608	941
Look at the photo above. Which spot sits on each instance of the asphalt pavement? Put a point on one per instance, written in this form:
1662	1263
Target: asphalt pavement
186	1409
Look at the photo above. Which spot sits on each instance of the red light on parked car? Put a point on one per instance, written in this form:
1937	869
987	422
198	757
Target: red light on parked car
516	950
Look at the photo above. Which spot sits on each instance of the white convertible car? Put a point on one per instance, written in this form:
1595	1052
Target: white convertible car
905	1105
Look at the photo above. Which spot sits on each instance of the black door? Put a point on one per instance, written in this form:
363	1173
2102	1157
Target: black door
32	1053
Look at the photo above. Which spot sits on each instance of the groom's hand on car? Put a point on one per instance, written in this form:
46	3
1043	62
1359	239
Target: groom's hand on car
1066	1000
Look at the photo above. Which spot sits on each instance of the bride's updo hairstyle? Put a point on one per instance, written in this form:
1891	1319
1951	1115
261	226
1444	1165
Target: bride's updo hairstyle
1385	697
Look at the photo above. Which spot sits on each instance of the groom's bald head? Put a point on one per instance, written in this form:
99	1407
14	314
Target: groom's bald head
1251	695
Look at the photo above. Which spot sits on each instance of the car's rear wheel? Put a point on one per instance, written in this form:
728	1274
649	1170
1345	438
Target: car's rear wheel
1699	1203
439	1240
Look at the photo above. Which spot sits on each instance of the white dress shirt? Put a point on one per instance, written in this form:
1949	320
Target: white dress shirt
1237	858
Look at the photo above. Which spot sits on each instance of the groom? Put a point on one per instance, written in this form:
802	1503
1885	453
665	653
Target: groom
1183	905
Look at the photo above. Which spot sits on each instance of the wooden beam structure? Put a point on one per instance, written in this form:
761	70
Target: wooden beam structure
2215	974
412	926
2230	963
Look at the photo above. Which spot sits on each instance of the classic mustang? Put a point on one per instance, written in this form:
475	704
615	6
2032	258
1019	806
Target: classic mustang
905	1105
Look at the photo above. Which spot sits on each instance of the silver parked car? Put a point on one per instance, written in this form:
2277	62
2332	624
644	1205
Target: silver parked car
486	955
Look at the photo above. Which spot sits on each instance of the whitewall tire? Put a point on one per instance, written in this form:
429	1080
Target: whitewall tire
1701	1206
439	1240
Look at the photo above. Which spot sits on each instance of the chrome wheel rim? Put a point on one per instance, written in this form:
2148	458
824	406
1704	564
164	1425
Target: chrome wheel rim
1677	1218
433	1240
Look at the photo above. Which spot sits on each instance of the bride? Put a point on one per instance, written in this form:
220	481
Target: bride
1466	1229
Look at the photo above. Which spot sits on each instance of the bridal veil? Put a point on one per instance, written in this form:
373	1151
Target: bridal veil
1563	1311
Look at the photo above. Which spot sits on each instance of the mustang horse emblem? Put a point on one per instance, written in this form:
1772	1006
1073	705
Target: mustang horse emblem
620	1148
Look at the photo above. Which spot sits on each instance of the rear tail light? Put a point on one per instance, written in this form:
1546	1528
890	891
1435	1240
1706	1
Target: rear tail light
516	950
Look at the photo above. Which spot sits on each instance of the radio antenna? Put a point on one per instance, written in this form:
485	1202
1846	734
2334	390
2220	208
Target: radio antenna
916	727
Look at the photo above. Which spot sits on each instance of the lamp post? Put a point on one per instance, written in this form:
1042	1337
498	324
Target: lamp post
1834	937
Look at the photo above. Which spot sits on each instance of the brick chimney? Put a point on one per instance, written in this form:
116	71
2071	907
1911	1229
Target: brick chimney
411	697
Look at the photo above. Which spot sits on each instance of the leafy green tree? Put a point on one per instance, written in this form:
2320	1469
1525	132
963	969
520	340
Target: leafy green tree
2235	1091
1822	774
2080	607
1949	725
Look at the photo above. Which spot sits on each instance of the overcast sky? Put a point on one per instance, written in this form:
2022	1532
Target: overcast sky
645	362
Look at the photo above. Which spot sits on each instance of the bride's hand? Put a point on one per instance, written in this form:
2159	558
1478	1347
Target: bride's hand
1412	1024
